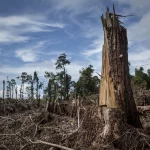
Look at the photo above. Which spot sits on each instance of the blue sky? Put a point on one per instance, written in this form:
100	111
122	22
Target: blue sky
33	33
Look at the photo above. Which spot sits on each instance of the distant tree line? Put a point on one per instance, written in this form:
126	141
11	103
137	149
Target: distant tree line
60	85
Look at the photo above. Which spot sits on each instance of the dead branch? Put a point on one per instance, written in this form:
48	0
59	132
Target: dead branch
51	144
37	127
24	146
143	108
24	122
7	118
8	134
5	146
99	74
31	118
122	15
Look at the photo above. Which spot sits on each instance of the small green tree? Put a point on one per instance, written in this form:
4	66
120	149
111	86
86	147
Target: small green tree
51	91
148	72
30	89
60	64
87	84
142	79
60	83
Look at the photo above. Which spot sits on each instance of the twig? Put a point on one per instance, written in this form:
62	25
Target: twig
7	118
7	134
23	146
24	122
99	74
37	127
5	146
69	135
51	144
31	118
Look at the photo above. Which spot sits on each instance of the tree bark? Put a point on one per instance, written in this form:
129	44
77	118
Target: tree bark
115	90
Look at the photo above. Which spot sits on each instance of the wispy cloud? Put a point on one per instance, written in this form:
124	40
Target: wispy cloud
75	7
30	53
94	49
13	28
136	7
9	37
71	11
140	31
27	20
140	55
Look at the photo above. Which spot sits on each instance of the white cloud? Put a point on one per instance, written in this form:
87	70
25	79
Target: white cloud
95	48
27	55
140	55
75	7
26	20
30	53
139	59
139	37
41	67
9	37
12	28
36	51
71	11
137	7
140	31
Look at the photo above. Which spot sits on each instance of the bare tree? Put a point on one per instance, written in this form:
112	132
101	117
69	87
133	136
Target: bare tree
3	89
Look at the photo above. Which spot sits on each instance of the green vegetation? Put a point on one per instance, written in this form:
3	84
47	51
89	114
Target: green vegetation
87	83
141	78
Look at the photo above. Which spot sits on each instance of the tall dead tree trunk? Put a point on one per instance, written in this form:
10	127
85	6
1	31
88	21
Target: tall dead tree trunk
3	89
115	91
16	92
111	124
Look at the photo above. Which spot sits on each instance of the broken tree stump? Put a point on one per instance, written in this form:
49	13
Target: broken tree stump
113	123
115	89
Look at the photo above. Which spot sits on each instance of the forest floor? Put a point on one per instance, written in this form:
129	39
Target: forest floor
28	128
